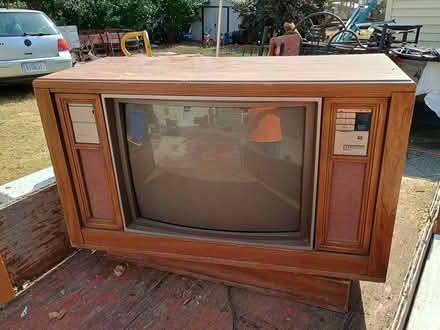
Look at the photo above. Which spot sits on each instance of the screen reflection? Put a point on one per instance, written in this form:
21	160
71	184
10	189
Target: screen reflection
220	168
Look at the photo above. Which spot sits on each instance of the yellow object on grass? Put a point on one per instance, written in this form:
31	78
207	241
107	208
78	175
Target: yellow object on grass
144	35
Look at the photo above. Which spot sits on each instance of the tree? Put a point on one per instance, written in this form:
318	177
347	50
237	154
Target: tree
166	16
256	14
177	15
86	14
12	4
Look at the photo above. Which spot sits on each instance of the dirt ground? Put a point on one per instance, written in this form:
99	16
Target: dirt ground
378	301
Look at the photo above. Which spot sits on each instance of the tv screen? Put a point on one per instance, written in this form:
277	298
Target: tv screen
243	167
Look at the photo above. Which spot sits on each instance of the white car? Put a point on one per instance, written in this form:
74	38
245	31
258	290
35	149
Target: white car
30	46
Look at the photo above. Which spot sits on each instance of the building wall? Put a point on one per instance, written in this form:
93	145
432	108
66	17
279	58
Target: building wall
211	19
425	12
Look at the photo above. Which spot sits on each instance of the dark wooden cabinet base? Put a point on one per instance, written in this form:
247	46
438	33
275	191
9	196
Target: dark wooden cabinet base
329	293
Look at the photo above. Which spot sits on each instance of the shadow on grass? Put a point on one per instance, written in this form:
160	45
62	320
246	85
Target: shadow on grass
16	93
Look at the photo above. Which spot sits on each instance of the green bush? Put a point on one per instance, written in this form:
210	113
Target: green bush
12	4
163	15
256	14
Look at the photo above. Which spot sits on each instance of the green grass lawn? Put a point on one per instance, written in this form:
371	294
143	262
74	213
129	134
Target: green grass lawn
194	49
23	148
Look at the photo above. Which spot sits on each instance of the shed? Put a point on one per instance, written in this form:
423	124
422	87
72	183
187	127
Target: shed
70	33
209	18
425	12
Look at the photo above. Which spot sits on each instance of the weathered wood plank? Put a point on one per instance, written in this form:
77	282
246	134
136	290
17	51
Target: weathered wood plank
435	210
94	298
33	234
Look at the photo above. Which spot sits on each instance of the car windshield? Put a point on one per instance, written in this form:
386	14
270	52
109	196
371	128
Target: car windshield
23	24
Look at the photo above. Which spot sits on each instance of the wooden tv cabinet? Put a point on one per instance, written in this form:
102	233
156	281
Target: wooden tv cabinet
356	197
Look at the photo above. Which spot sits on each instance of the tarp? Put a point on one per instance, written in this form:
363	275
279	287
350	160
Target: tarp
429	84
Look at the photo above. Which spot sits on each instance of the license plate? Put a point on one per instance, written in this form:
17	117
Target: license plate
34	67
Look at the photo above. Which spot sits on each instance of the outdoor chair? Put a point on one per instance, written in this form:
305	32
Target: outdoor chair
286	45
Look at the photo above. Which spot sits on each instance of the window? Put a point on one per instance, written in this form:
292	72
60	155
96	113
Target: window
23	23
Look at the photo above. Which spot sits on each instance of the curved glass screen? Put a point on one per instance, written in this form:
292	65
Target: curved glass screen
220	167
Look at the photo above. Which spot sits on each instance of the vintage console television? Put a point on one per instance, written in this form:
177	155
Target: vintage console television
277	173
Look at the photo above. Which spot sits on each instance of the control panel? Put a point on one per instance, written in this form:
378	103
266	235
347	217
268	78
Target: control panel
83	123
352	132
